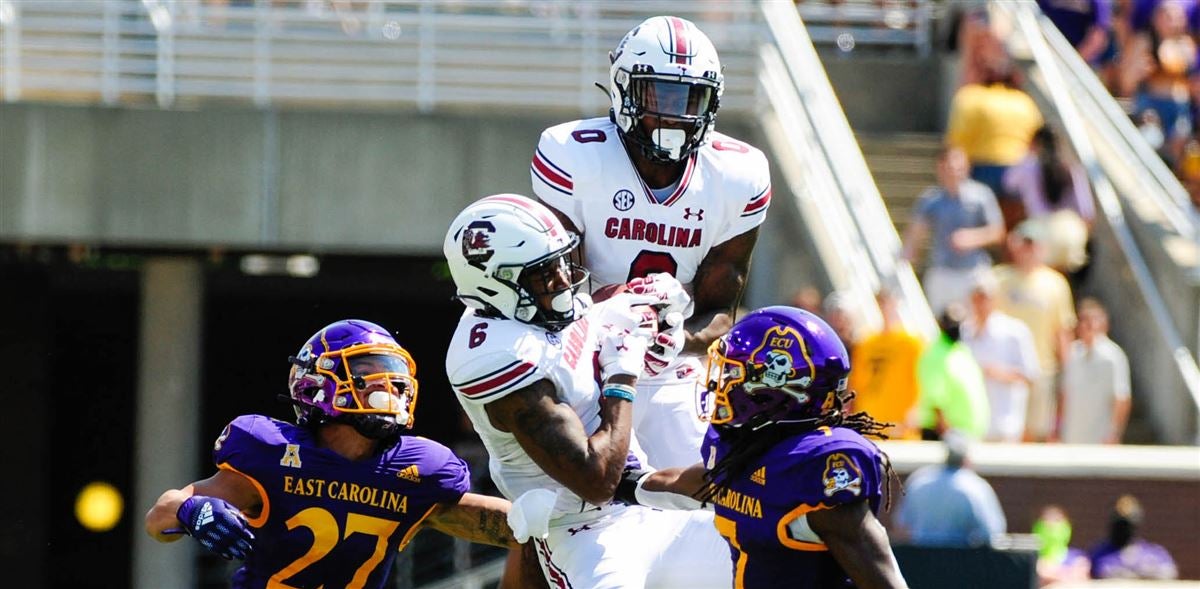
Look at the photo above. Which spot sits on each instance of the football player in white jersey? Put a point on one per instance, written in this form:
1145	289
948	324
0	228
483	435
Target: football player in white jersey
653	188
548	382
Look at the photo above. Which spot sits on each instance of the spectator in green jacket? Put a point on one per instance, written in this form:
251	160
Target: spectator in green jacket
953	394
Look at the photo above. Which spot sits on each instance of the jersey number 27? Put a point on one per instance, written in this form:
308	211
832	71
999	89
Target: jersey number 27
326	534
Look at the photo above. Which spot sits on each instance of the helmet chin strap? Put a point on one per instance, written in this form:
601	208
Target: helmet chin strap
375	427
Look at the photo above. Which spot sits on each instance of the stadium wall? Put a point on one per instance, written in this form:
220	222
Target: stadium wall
1085	481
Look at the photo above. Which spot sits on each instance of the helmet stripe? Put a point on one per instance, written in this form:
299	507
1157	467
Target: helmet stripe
540	213
681	43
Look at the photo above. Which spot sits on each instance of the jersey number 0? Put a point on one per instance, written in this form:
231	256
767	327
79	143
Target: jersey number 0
649	262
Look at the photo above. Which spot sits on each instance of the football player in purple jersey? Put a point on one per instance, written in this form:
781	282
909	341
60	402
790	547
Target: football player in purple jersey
331	499
794	483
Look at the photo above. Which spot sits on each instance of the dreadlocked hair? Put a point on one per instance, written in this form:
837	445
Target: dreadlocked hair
751	440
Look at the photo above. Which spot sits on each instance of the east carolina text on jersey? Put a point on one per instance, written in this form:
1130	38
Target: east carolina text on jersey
582	170
359	514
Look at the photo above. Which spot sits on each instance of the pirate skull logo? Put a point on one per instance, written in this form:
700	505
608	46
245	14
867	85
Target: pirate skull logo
841	475
778	368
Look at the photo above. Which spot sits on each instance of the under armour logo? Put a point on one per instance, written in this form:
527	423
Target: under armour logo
688	214
583	528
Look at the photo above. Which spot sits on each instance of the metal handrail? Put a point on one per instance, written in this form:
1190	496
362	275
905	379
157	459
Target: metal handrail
872	234
422	53
848	23
1169	195
1106	196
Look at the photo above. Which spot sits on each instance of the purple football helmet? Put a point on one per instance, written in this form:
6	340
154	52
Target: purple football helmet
354	372
777	365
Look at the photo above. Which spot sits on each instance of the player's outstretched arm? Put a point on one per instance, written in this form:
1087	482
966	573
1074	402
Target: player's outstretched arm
717	290
669	488
859	543
162	521
475	518
551	433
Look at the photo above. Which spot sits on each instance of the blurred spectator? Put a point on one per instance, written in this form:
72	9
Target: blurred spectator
973	38
884	373
1085	24
952	393
1188	170
808	298
1004	349
1141	13
1055	188
992	121
1040	298
1156	68
963	218
1124	555
1057	561
838	312
1095	388
950	505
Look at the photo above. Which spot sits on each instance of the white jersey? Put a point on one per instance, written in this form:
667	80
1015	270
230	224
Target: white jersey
491	358
582	170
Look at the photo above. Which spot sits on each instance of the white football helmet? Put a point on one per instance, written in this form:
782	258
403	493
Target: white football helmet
507	253
665	68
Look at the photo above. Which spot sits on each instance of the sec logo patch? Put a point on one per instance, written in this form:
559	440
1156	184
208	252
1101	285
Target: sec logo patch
623	200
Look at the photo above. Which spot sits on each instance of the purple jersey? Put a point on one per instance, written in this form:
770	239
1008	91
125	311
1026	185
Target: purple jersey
763	513
1139	559
327	520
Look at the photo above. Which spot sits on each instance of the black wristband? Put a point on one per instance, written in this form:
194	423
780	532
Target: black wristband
627	487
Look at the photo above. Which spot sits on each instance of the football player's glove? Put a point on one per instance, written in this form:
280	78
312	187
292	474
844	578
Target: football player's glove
216	525
669	298
626	337
663	350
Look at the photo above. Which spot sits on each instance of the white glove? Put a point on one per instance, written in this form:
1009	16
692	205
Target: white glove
663	350
529	516
625	339
670	299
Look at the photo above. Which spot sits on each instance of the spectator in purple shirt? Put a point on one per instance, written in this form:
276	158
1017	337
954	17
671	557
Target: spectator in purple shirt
1086	24
1124	555
1054	187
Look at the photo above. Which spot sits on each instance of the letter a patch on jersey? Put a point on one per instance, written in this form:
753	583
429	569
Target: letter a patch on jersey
409	473
291	456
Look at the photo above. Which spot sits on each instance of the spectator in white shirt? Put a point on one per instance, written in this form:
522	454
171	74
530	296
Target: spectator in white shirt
1003	347
1095	386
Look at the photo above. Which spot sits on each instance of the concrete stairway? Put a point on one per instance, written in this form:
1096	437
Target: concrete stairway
903	164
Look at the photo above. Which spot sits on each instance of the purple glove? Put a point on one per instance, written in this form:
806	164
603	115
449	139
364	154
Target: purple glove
216	525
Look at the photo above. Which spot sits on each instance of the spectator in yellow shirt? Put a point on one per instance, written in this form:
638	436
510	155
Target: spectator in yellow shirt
884	376
993	121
